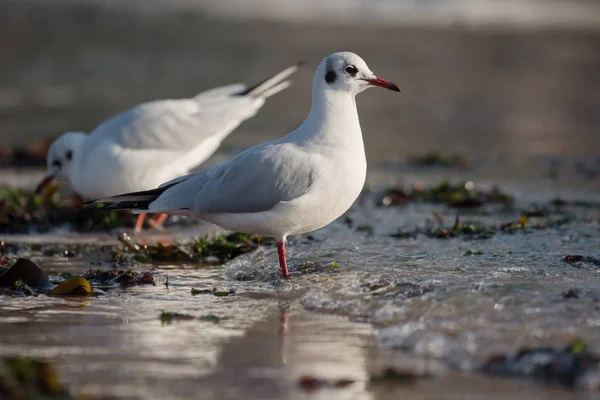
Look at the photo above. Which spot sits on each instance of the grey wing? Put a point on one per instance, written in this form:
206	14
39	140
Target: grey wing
177	125
254	181
257	180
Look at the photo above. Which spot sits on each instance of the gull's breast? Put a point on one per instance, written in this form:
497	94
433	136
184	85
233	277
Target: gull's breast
335	191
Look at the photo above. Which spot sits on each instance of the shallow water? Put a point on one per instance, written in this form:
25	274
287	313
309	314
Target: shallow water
522	104
420	304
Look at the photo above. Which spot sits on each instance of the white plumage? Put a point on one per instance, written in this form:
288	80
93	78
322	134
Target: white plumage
293	185
155	141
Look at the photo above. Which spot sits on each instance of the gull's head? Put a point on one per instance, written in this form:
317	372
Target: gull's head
60	157
348	72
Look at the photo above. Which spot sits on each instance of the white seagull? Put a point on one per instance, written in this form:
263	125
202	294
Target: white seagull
289	186
156	141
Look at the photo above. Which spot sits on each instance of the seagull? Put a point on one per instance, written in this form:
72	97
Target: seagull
289	186
156	141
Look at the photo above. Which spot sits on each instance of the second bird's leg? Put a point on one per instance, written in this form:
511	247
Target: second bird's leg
139	224
158	221
282	260
155	223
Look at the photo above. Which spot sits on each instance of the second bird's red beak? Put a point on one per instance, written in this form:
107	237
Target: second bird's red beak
384	83
45	182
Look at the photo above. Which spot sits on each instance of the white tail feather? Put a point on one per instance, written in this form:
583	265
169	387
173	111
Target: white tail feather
264	89
276	89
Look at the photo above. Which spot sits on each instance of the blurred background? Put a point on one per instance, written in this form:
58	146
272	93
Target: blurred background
514	85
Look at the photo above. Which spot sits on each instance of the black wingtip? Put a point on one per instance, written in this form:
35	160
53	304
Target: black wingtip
251	90
98	205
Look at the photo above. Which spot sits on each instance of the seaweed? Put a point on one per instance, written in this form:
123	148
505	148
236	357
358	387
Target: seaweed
472	230
514	226
219	249
469	230
310	383
578	260
19	287
441	160
566	366
396	376
366	228
227	247
167	317
5	261
22	211
460	195
30	378
316	267
571	294
120	277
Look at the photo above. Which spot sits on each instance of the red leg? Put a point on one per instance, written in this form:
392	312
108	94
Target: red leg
158	221
282	261
140	222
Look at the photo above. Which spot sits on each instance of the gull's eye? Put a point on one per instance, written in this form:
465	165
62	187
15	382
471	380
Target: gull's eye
69	155
57	163
351	70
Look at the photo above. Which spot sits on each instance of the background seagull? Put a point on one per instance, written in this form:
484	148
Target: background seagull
155	141
289	186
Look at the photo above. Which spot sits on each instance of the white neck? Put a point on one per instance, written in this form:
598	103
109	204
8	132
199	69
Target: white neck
332	120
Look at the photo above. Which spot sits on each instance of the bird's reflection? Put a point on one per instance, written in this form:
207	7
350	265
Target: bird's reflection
283	331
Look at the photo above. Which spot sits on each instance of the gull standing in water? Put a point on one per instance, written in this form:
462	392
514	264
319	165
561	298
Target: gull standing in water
156	141
289	186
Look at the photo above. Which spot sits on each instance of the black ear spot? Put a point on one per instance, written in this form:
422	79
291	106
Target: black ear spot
330	76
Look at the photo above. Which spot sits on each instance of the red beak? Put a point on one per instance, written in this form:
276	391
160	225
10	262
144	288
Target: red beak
47	179
383	83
